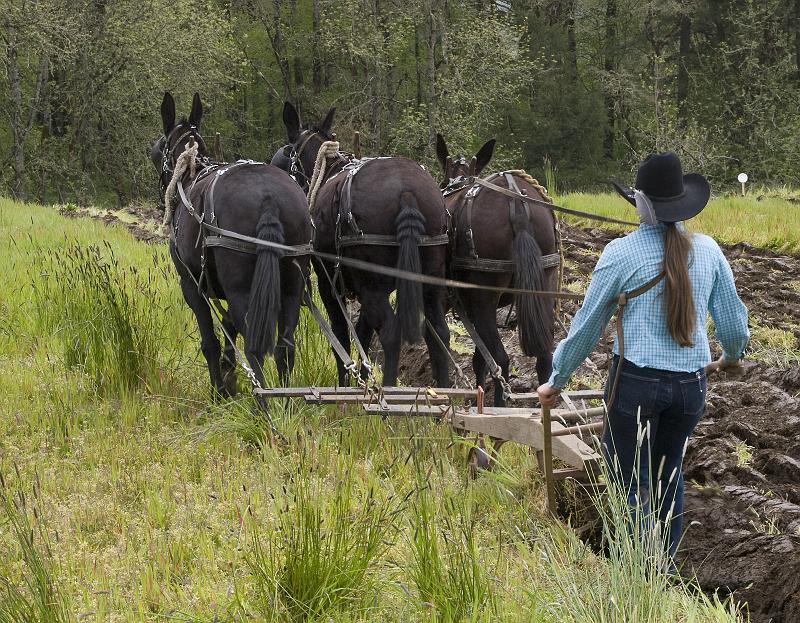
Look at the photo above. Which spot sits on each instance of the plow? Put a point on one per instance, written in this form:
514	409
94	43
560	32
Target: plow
563	434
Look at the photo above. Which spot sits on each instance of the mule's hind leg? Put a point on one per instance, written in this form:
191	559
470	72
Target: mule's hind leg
364	333
433	298
338	323
291	295
237	310
228	367
482	310
209	343
378	312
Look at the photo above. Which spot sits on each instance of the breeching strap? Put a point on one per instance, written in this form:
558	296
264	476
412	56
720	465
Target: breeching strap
394	272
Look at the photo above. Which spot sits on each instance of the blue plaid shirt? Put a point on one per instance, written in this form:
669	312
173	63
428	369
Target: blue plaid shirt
632	261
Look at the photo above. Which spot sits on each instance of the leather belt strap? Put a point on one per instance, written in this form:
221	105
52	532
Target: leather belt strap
622	301
499	266
390	271
389	241
226	242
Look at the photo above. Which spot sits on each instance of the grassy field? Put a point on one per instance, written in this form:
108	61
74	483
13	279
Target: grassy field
763	220
128	496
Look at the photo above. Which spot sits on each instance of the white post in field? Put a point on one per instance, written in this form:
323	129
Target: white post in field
742	177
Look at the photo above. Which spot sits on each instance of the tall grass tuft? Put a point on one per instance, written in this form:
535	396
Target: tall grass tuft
446	566
29	592
636	584
105	315
329	536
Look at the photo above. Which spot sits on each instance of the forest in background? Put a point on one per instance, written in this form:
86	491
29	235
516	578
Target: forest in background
590	85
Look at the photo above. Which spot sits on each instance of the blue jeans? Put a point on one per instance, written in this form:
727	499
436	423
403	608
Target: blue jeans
667	406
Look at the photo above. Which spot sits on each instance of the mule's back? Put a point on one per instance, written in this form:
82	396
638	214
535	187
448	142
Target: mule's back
373	199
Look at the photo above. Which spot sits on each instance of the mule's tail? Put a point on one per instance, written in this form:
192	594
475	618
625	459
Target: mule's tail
535	314
265	290
410	225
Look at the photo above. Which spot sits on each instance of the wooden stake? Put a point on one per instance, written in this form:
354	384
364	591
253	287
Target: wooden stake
548	460
357	145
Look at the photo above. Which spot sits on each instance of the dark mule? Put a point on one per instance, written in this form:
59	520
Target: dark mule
263	289
498	241
394	202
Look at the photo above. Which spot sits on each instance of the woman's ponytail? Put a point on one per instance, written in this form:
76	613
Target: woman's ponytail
680	302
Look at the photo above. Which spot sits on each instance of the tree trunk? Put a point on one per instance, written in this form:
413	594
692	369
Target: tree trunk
609	65
431	71
684	50
419	65
279	49
316	62
17	123
47	125
572	44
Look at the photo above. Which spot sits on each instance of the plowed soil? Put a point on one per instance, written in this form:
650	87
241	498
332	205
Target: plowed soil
742	466
743	462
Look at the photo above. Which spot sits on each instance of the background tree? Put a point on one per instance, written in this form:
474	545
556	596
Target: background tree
593	85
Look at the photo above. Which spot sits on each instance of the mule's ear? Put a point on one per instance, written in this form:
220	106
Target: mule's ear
484	155
168	112
292	122
196	116
441	151
327	122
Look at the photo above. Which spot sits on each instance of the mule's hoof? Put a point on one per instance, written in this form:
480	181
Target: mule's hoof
229	384
478	461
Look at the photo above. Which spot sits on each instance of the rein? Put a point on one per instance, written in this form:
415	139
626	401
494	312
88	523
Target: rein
551	206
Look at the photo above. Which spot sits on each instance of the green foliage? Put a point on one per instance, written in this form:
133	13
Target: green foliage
593	85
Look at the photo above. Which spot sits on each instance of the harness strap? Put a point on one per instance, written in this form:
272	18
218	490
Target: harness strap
226	242
391	271
499	266
362	353
340	350
468	201
389	241
622	301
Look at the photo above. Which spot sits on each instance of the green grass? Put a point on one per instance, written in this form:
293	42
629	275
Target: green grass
771	221
153	504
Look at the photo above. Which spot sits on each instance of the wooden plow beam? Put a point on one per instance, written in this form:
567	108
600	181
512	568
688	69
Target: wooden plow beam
563	434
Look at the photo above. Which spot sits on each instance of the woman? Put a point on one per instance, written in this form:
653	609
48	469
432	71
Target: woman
673	279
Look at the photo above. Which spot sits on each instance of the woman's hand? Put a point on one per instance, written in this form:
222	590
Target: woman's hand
547	395
722	364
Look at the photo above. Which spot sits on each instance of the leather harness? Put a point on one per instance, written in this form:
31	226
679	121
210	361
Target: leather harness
472	261
345	217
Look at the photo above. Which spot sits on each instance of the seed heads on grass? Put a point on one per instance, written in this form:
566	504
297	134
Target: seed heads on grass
34	596
327	540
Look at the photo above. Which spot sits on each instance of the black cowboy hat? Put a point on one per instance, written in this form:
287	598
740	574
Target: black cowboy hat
675	196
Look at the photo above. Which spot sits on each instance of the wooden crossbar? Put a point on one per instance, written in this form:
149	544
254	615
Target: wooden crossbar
553	433
528	430
300	392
